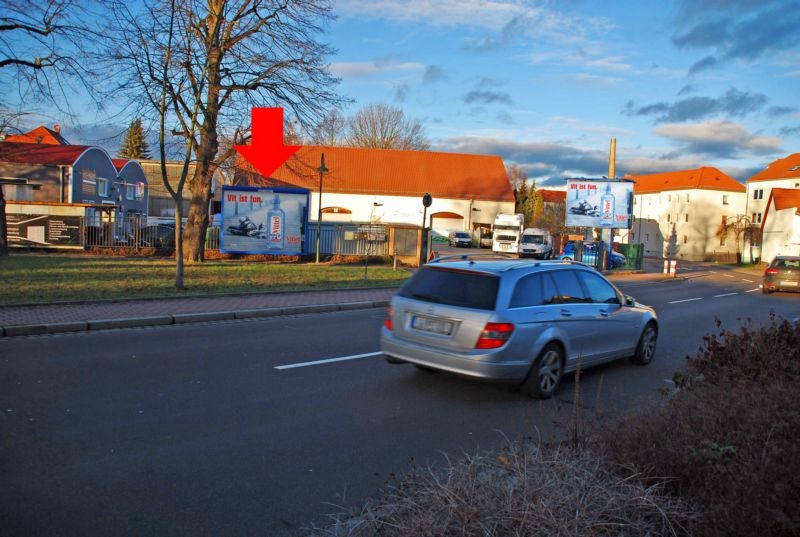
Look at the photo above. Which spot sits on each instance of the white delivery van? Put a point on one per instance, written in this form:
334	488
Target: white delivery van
536	242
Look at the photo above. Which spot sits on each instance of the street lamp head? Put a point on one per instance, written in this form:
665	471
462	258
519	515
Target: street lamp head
322	168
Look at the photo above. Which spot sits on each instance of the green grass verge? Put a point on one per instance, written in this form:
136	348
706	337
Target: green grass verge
53	278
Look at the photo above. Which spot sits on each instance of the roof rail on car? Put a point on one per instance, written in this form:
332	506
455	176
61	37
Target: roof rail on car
470	257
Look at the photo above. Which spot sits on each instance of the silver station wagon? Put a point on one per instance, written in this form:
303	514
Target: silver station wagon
514	321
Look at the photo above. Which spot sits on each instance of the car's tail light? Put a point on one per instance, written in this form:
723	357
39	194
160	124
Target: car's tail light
771	271
494	335
388	323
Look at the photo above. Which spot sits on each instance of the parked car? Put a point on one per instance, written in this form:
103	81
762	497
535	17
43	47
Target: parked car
459	238
782	274
157	236
590	255
514	321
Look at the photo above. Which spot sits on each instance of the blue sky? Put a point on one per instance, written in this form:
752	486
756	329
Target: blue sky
546	85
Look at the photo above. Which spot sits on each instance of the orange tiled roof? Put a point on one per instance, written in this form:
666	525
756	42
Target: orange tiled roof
390	172
553	196
47	154
39	135
783	168
705	178
786	198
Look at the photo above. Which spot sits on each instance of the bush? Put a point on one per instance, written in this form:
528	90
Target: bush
727	439
525	490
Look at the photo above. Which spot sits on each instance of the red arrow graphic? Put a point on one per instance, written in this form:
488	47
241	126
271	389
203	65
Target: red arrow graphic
266	151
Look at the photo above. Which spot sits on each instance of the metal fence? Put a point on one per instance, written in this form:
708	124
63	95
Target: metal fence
335	238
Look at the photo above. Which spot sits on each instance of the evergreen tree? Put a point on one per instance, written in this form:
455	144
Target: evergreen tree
134	145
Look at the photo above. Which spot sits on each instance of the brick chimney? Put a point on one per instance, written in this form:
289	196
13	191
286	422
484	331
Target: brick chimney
57	128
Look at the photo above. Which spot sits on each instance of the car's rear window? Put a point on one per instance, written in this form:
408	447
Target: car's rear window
452	288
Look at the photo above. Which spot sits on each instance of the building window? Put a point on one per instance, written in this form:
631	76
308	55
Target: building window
724	219
647	237
757	218
130	192
686	216
685	239
725	199
102	187
722	240
669	218
687	198
758	194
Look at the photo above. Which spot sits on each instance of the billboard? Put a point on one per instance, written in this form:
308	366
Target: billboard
599	203
260	220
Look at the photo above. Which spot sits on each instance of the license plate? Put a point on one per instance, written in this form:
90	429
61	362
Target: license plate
789	283
435	326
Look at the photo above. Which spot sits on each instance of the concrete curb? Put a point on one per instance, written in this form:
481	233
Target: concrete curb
180	318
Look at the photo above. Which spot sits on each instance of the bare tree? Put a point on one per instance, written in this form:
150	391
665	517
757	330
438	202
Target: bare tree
380	126
739	226
517	177
42	45
331	131
226	57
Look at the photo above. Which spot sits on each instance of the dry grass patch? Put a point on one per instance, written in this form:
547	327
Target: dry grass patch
527	490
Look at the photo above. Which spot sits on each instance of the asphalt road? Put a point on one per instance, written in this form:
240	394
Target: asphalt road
261	427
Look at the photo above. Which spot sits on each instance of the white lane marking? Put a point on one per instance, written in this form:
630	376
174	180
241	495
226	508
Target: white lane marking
687	300
328	361
728	276
726	294
746	280
753	290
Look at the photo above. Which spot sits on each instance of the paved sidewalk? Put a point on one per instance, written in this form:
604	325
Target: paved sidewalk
73	317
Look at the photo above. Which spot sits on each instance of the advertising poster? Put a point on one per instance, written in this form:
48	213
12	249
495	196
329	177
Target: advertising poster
271	221
599	203
44	230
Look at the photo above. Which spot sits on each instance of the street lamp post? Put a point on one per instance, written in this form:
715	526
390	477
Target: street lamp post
370	232
427	200
322	169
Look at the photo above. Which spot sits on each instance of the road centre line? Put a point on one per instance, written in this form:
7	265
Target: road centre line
753	290
686	300
328	361
726	294
746	280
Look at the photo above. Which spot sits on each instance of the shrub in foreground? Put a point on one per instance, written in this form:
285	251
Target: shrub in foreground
728	438
526	490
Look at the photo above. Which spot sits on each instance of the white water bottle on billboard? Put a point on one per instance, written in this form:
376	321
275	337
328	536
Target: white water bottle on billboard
607	207
276	220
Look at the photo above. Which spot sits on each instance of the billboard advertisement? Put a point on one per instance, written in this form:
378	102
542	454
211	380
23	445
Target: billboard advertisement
261	220
599	203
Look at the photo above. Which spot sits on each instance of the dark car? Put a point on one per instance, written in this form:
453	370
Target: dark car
783	274
514	321
589	255
157	236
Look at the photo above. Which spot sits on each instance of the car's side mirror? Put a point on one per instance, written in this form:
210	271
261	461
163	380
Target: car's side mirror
629	301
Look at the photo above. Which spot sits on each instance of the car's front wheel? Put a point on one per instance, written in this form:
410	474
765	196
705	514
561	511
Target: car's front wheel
646	348
545	375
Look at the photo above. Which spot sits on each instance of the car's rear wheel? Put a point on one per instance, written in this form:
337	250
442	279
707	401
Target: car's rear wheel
545	375
646	348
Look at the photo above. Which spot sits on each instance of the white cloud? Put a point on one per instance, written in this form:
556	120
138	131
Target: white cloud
718	133
345	69
477	13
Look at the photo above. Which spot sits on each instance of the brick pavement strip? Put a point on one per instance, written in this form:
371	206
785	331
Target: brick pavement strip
58	318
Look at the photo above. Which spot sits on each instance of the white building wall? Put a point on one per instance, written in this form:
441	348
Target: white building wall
405	209
759	206
690	218
781	234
